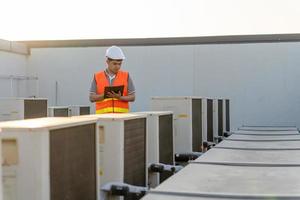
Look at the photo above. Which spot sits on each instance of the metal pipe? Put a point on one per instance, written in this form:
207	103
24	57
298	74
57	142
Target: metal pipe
11	88
11	78
56	92
123	189
18	77
37	88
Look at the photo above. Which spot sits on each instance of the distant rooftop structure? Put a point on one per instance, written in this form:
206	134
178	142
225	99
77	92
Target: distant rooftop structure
14	47
165	41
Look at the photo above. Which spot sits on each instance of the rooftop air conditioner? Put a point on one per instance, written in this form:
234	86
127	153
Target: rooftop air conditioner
58	111
50	158
189	121
22	108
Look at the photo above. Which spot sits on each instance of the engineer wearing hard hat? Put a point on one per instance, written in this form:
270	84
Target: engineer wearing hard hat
112	76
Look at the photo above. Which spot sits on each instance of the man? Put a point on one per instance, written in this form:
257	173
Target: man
112	76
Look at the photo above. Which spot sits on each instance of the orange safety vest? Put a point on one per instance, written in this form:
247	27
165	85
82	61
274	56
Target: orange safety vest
111	105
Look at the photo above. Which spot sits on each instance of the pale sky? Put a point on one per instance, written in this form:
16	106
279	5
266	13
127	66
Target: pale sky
99	19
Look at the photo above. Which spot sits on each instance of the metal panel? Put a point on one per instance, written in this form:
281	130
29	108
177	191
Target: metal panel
35	108
215	118
239	137
220	117
265	133
152	195
227	103
135	152
237	182
276	145
61	112
84	110
256	128
170	196
11	109
166	154
197	124
210	133
73	163
181	107
250	157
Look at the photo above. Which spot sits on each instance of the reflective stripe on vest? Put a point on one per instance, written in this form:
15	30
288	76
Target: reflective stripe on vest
112	110
111	105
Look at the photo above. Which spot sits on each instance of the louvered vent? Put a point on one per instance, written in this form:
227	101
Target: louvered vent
61	112
135	152
73	163
197	124
227	115
35	108
84	110
210	120
166	154
220	117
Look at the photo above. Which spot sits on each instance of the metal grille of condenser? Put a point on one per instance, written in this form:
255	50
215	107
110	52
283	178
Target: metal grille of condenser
35	108
166	154
227	114
210	133
73	163
220	117
84	110
197	124
135	152
61	112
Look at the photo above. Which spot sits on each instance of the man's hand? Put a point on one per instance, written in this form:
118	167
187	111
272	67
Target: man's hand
112	94
96	97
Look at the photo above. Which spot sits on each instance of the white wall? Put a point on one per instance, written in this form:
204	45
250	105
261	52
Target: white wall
12	64
73	69
260	79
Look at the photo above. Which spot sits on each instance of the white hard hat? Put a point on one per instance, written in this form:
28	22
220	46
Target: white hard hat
115	53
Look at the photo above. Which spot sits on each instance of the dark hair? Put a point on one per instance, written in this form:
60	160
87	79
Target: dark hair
110	59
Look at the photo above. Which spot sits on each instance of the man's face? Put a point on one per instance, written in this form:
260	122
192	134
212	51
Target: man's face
114	65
